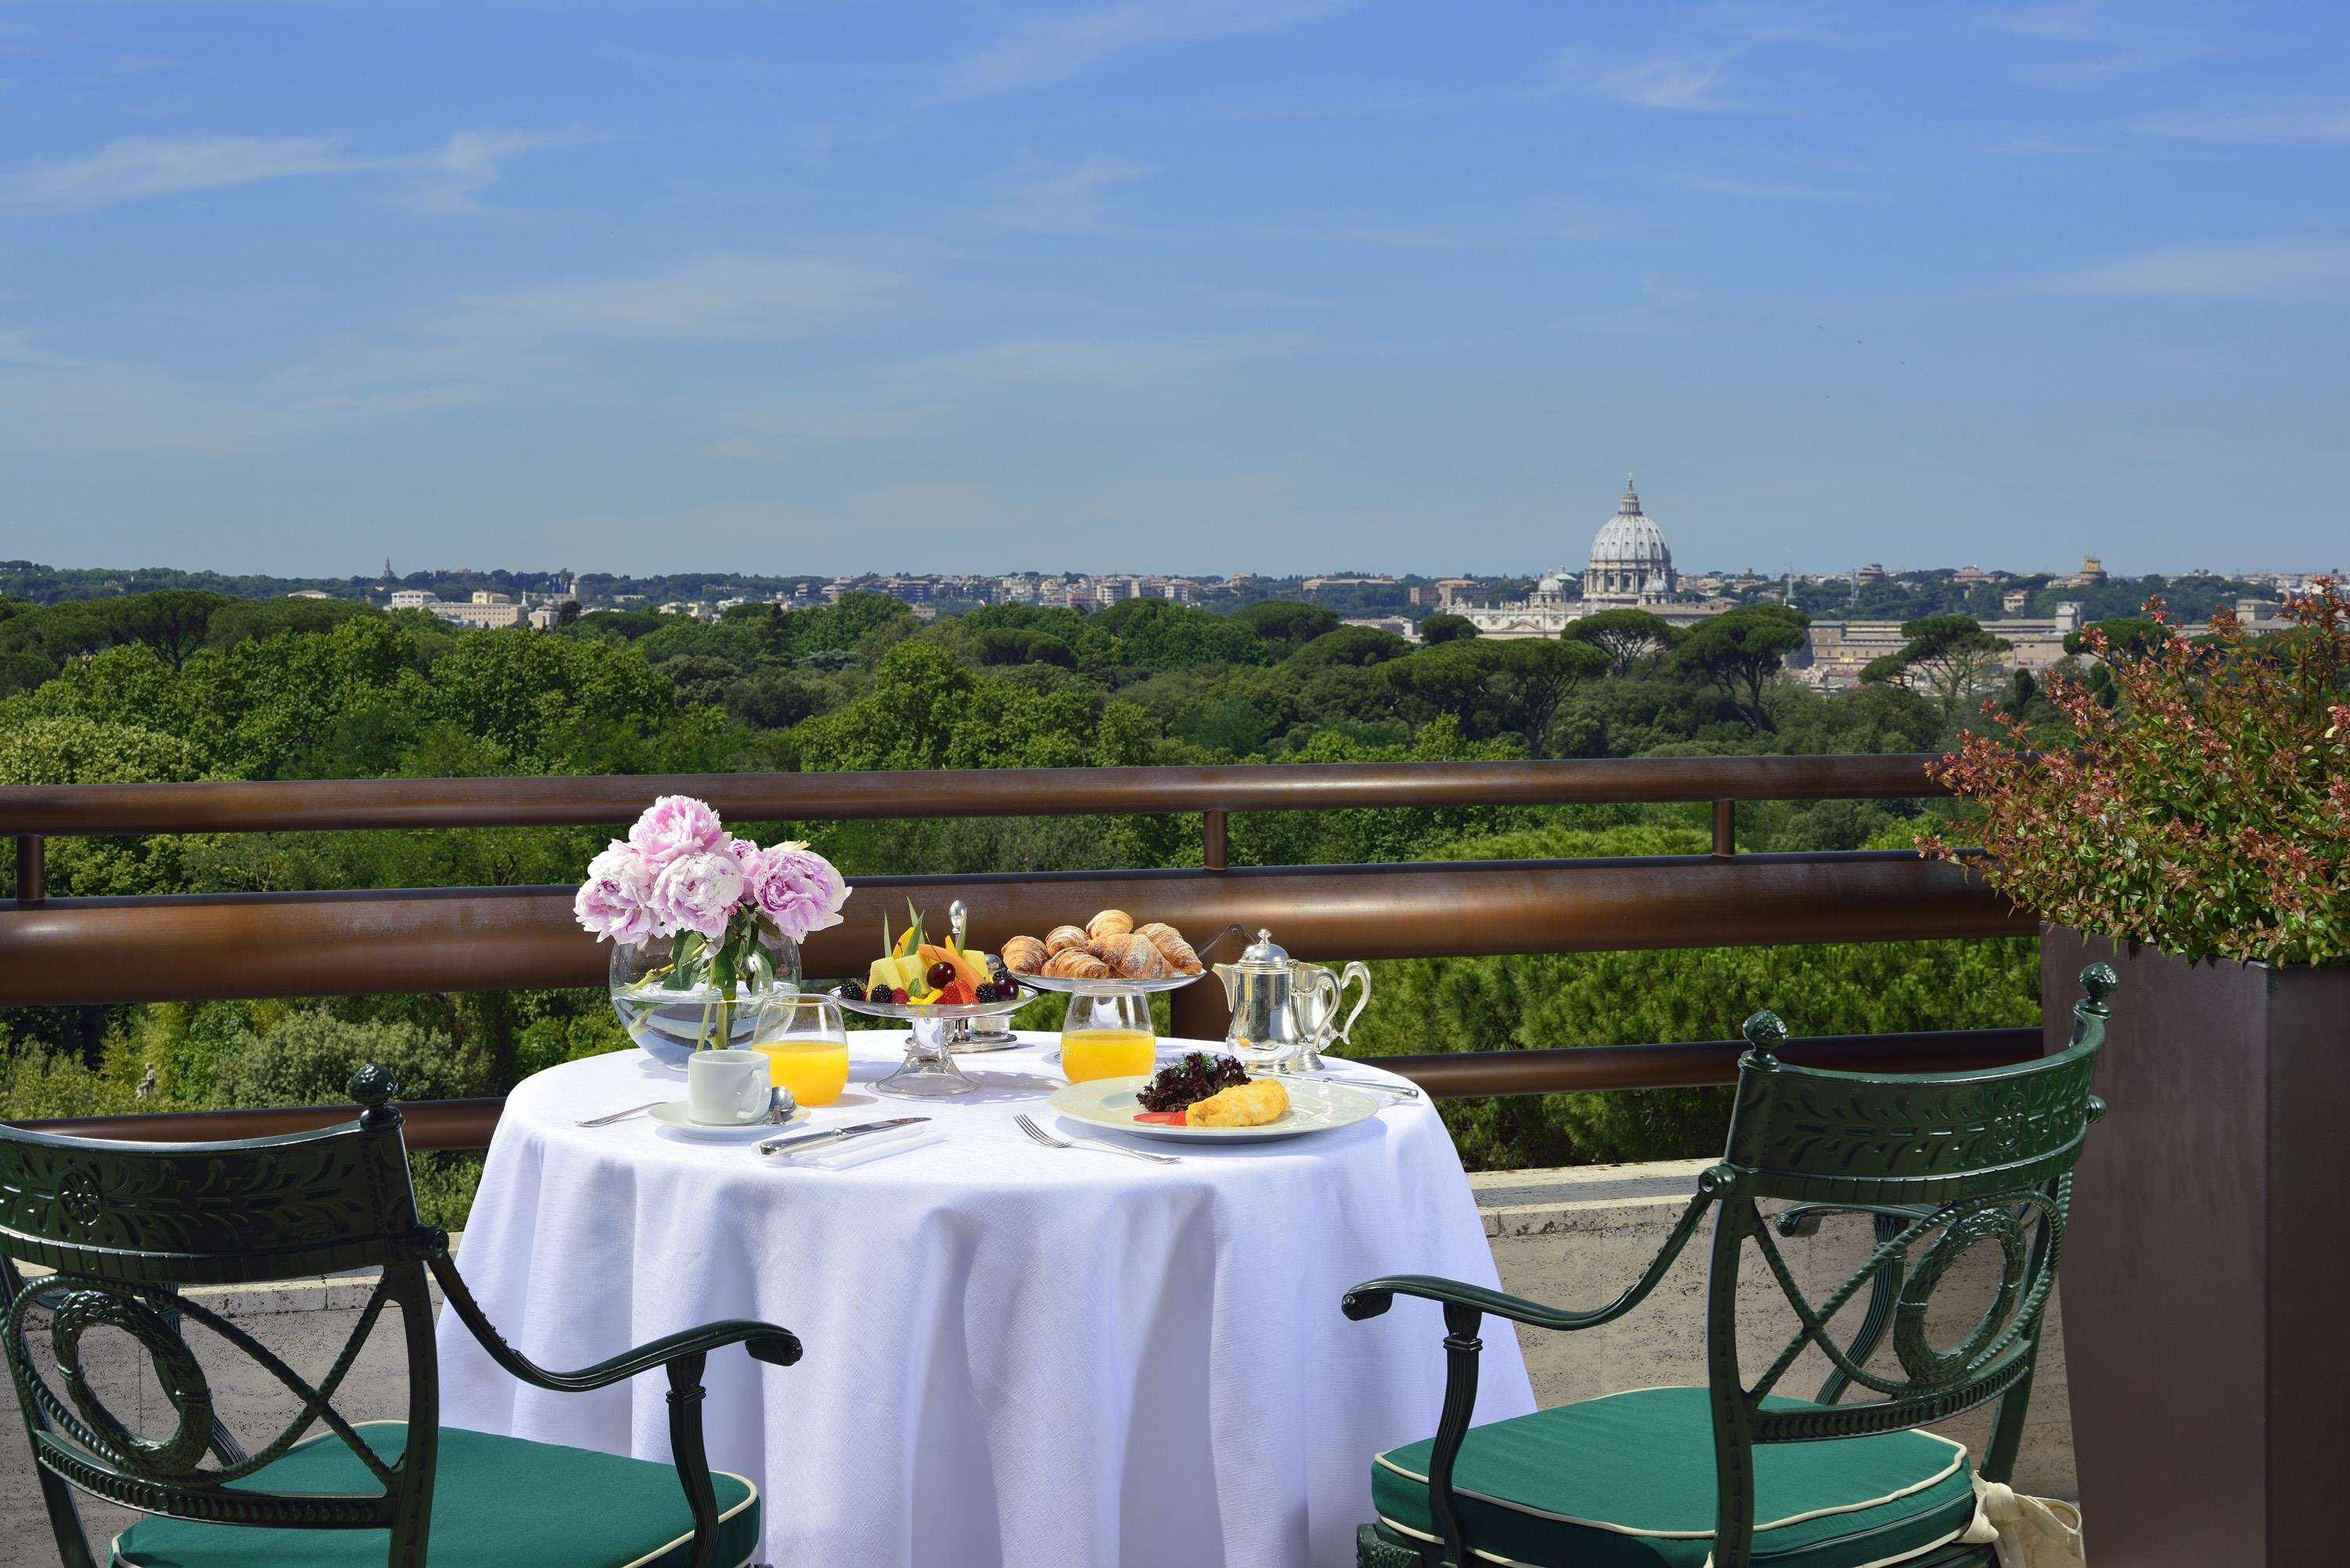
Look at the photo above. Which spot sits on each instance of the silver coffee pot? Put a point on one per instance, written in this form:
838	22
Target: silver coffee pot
1258	989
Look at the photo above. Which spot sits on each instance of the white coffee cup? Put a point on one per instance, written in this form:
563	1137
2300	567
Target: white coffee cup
726	1088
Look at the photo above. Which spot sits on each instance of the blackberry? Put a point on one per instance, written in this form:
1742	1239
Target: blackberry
851	992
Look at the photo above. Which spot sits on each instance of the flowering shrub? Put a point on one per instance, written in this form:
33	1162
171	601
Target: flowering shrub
2207	813
679	873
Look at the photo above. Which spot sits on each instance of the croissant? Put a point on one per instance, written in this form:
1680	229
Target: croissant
1133	956
1075	963
1022	955
1171	946
1062	938
1110	923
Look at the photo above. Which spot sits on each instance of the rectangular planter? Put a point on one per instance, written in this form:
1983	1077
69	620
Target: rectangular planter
2205	1276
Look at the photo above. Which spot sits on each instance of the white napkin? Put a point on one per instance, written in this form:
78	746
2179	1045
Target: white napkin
865	1148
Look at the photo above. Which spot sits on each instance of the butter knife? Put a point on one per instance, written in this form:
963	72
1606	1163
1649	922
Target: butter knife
810	1140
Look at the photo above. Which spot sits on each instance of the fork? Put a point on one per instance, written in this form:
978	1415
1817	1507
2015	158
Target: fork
1039	1135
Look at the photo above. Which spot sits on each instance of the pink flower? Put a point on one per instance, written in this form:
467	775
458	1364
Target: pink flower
615	900
674	826
697	891
798	888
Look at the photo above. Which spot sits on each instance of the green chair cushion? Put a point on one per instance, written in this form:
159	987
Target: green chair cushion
1627	1481
497	1502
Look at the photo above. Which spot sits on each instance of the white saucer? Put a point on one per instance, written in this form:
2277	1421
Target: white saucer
675	1117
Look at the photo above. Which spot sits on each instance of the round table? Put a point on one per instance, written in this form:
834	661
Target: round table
1014	1355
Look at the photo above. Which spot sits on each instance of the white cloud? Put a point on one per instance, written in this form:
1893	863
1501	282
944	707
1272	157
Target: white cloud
443	179
143	166
1053	48
1660	297
2283	271
722	295
1711	185
2105	43
1069	203
2263	122
1666	84
935	390
450	180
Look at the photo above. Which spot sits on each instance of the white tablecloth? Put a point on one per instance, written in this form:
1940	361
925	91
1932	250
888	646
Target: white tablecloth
1014	1355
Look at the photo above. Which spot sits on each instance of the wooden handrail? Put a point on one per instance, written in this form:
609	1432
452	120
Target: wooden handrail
468	1124
305	805
367	941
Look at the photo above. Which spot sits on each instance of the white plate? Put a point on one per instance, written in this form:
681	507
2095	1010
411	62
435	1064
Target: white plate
675	1117
1313	1108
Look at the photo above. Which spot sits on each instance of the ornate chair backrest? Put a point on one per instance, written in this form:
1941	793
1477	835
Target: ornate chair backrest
123	1228
1948	1161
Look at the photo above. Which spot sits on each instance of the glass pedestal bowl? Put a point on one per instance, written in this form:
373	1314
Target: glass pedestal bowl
930	1072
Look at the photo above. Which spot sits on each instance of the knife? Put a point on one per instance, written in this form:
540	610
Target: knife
809	1140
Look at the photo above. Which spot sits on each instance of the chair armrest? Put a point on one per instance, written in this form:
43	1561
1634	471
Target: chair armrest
1804	1219
766	1342
1373	1297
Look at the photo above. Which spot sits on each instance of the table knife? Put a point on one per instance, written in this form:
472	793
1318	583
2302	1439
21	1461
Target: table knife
809	1140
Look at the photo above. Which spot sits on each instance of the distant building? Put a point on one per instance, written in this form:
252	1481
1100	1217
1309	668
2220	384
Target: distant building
2012	601
413	599
1969	576
310	593
500	611
1630	566
1836	652
2091	575
1403	627
1869	575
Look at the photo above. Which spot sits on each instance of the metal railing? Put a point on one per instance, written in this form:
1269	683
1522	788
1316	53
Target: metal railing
198	947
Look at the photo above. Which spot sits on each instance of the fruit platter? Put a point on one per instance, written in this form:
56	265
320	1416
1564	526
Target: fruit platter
1108	955
942	989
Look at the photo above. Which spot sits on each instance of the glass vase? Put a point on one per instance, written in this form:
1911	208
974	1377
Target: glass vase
671	1010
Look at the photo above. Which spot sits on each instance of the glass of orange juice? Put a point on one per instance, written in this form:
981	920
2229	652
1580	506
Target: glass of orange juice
1108	1035
805	1042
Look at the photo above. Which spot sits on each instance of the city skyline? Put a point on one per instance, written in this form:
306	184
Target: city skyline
1146	285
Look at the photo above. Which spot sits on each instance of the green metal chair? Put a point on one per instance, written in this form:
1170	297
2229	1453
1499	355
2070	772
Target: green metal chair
1733	1474
124	1227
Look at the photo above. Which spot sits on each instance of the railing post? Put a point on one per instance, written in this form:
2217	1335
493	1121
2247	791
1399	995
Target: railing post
1198	1011
32	868
1725	828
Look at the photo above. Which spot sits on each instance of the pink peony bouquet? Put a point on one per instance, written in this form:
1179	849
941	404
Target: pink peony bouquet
679	873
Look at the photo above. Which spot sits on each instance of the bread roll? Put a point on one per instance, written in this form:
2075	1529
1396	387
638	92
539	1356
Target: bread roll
1108	924
1075	963
1253	1104
1131	956
1171	946
1061	938
1023	955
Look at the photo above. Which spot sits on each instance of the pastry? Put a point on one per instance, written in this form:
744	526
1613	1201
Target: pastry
1075	963
1023	955
1251	1105
1108	924
1061	938
1171	946
1131	956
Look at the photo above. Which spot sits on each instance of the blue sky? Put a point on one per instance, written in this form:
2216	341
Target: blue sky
1211	285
